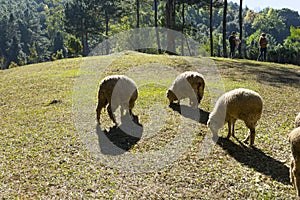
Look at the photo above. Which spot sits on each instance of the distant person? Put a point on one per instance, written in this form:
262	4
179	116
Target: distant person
232	44
263	42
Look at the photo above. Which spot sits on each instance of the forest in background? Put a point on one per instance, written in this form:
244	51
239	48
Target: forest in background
35	31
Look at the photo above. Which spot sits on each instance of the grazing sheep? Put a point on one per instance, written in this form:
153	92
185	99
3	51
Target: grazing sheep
297	121
116	90
294	138
187	85
241	104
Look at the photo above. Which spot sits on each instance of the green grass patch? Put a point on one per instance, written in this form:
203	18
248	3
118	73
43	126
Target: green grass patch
43	156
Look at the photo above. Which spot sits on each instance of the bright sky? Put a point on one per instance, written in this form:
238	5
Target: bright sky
258	5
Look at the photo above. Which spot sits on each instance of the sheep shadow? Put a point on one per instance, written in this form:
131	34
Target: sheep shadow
257	160
197	115
120	139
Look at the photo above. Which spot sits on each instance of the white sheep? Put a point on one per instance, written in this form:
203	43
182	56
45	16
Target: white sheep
294	139
190	85
297	121
243	104
115	91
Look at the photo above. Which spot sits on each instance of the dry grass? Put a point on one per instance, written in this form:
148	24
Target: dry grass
43	155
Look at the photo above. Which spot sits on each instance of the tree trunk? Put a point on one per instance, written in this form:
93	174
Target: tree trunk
224	29
137	13
241	27
106	32
182	29
170	18
211	28
83	44
156	25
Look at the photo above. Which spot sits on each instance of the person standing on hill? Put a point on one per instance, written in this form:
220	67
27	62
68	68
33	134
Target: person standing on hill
232	44
263	42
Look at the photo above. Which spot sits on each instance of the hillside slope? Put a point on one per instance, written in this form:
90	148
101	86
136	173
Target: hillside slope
45	153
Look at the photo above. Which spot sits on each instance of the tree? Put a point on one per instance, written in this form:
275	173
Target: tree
137	13
170	24
294	37
211	27
54	13
241	27
4	45
269	22
58	44
289	18
156	26
81	19
109	10
74	45
224	29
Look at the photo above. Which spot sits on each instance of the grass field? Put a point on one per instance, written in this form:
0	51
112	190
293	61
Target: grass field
46	155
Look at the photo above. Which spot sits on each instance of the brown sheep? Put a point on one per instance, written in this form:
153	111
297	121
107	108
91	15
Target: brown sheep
115	91
243	104
294	139
190	85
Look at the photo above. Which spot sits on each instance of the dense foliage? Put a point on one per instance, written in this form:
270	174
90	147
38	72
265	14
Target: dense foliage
41	30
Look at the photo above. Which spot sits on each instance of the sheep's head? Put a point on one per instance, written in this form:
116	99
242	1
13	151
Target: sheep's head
171	96
213	125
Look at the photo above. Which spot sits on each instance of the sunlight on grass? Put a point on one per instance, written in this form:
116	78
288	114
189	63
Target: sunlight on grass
43	156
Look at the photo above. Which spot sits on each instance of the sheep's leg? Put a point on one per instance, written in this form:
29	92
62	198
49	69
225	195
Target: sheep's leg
131	105
297	181
233	123
102	102
199	93
111	115
292	177
98	110
229	129
250	137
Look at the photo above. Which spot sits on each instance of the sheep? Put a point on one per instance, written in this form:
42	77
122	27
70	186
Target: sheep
241	103
297	121
294	139
116	90
190	85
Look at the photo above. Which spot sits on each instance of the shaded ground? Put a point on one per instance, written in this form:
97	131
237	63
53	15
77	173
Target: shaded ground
256	159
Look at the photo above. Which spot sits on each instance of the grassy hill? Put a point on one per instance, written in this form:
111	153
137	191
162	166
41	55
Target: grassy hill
46	154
